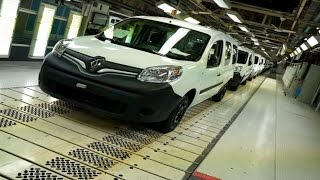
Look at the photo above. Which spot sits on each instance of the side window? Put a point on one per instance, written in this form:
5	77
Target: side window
250	60
235	54
215	55
228	53
256	60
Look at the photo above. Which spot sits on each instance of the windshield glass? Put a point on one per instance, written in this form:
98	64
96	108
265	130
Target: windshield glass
242	57
159	38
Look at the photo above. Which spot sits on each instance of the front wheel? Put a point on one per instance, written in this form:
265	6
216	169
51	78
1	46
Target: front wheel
244	82
234	88
218	97
174	118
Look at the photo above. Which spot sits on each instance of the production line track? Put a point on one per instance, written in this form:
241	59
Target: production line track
43	137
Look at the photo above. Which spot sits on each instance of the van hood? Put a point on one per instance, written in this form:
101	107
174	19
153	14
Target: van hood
91	46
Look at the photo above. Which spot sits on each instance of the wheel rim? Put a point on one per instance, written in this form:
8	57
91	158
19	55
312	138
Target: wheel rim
180	113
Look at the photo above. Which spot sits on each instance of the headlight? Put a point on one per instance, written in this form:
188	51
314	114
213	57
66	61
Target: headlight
160	74
61	46
238	68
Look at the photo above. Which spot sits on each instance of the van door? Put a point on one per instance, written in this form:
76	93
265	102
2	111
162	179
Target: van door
227	68
250	64
211	76
247	67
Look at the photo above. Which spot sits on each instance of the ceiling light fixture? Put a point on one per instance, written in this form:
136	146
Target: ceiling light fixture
257	43
304	47
235	16
243	28
223	3
192	20
295	52
167	8
254	39
312	41
299	50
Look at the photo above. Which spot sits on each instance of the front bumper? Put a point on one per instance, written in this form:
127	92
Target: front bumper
119	96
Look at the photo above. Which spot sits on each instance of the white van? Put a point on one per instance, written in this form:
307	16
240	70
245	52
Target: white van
261	65
144	69
243	68
256	66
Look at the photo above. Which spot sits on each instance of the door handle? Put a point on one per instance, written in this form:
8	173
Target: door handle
219	74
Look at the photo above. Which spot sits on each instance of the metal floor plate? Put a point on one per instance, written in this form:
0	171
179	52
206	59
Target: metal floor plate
43	137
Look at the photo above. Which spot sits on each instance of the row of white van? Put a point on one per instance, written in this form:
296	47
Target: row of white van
249	65
148	69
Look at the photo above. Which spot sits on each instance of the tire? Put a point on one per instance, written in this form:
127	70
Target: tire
218	97
234	88
174	118
244	82
250	79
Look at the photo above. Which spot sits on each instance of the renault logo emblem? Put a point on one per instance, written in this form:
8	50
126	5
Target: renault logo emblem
96	63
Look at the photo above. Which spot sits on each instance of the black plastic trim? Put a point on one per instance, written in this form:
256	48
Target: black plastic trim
106	64
209	88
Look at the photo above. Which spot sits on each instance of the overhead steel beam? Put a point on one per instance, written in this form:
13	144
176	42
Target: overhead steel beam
301	7
246	22
203	8
265	37
260	10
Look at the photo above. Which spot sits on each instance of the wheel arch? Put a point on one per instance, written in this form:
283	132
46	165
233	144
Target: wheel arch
191	95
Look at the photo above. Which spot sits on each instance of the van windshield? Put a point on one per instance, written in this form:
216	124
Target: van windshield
158	38
242	57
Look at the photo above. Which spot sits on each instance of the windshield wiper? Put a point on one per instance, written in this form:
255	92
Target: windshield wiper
102	37
146	49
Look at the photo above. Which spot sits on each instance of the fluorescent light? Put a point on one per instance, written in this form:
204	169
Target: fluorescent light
235	16
254	39
243	28
256	43
42	31
299	50
167	8
223	3
312	41
8	15
73	26
191	20
304	47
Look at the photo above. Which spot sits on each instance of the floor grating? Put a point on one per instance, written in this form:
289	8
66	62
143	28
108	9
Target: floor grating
82	146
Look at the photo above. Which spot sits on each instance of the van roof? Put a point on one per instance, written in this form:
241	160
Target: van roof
185	24
243	48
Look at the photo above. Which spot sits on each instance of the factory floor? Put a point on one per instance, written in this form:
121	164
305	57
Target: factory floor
274	137
254	133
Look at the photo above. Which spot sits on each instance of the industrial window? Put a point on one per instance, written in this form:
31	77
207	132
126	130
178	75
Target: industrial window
24	28
215	54
228	53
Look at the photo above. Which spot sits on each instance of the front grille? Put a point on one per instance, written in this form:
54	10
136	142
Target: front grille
88	98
